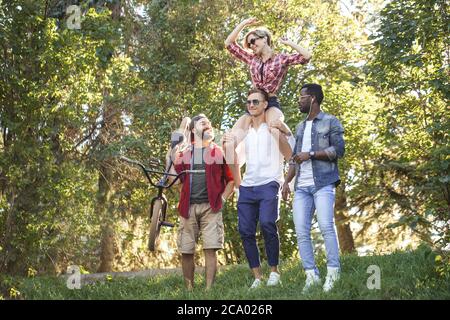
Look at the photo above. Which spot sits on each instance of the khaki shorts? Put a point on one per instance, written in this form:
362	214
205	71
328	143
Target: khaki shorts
201	221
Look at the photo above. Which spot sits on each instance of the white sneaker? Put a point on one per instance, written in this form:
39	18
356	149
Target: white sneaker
333	275
312	279
256	284
274	279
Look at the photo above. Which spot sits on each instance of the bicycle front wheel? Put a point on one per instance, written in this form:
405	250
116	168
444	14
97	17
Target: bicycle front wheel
155	224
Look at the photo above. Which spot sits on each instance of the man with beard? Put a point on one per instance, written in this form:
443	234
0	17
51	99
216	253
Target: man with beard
202	197
319	144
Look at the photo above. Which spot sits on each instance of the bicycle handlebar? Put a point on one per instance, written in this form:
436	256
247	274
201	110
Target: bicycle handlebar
162	182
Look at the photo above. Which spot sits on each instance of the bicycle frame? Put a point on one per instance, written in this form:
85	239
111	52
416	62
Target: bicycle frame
161	184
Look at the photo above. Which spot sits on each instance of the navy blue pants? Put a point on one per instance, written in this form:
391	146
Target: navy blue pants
259	204
273	102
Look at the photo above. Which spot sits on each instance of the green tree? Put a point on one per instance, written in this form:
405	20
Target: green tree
409	69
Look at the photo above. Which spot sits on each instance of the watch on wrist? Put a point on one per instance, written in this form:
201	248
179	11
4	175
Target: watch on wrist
312	154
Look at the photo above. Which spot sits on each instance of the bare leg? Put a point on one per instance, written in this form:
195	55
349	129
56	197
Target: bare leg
239	130
188	266
210	267
273	115
257	272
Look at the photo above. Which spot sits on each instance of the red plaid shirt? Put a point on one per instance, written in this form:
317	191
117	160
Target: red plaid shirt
268	75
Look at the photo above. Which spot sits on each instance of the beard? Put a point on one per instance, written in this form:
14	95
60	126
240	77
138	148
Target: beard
207	135
305	110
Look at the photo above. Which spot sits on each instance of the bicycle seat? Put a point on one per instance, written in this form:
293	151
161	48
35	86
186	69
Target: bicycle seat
176	138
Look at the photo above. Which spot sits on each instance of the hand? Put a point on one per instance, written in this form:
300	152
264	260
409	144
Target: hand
301	157
229	140
285	41
175	150
285	191
250	21
280	125
276	124
275	132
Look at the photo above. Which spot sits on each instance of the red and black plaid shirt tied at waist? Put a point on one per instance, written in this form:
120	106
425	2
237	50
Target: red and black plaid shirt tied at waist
268	75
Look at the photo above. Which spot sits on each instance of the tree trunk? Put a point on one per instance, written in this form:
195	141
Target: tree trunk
345	236
107	227
7	254
105	209
108	133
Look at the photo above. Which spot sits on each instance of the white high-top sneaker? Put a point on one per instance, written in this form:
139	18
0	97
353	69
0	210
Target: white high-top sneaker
333	275
256	284
274	279
311	279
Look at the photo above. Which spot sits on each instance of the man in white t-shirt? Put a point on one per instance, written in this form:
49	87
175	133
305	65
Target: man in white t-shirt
319	145
259	190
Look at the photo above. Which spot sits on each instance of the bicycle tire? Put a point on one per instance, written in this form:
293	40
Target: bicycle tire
155	225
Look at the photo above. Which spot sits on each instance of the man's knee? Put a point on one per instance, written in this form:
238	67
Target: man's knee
326	228
268	227
304	235
210	254
274	114
246	233
187	259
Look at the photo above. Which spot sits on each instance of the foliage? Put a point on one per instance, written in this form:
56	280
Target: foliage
409	69
72	100
404	275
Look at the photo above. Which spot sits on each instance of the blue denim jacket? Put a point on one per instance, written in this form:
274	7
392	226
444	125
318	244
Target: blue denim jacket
327	134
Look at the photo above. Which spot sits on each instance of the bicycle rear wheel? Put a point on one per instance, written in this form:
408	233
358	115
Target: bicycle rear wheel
155	224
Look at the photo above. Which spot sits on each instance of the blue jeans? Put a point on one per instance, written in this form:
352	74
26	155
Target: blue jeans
261	204
306	201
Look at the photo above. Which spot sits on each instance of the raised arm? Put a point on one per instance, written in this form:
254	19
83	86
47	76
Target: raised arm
235	33
304	52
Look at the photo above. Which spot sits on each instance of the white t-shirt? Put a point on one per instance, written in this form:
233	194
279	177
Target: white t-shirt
263	158
306	177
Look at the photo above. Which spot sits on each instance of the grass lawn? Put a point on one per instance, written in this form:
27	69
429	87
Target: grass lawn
404	275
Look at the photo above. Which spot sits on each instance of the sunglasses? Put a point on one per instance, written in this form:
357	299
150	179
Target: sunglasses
253	40
254	101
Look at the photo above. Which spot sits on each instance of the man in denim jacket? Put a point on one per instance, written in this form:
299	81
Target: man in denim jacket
319	144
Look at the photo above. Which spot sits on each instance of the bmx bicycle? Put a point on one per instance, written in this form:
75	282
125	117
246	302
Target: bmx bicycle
158	208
